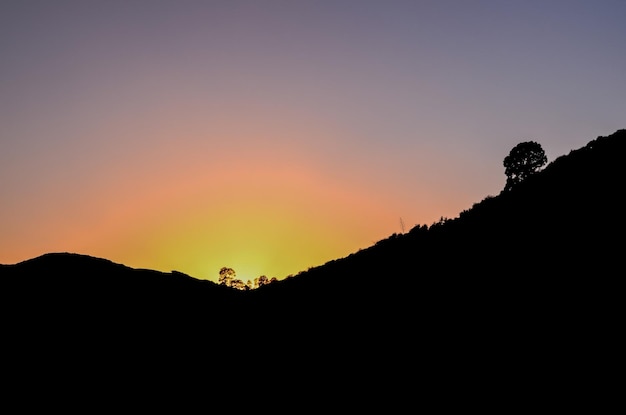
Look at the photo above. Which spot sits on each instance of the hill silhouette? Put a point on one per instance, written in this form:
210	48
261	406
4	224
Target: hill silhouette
520	283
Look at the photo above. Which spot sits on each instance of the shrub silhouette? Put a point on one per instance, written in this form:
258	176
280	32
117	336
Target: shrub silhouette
525	159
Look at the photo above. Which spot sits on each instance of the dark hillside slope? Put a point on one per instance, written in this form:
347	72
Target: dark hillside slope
540	263
516	302
570	216
565	221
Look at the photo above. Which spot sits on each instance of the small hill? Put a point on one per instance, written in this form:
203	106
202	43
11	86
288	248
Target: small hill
66	297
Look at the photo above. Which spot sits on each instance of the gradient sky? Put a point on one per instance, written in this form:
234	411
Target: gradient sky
273	136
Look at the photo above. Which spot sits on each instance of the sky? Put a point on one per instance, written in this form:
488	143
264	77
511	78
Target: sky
273	136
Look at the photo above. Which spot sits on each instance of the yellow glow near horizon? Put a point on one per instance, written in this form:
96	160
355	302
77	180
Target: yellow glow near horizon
194	204
254	218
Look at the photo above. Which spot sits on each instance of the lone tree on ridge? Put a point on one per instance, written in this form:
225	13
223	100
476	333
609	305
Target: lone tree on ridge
524	160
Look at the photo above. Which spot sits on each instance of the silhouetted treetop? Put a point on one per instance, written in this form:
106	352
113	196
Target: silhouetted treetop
525	159
227	275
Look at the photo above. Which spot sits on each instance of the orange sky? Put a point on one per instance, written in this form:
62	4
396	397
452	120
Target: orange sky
273	136
261	211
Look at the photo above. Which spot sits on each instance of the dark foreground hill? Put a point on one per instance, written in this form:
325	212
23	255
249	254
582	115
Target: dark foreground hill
553	244
520	294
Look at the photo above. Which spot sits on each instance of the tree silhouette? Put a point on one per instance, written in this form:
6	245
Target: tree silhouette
262	280
524	160
227	275
238	284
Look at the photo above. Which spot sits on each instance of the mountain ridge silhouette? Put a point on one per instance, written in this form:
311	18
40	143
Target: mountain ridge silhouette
523	282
